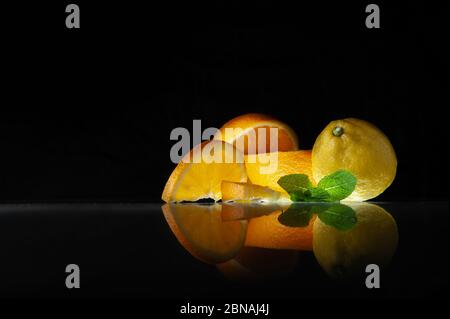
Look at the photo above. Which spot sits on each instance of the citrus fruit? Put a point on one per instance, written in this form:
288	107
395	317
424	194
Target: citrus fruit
267	232
198	177
243	132
254	264
359	147
295	162
233	191
345	254
201	231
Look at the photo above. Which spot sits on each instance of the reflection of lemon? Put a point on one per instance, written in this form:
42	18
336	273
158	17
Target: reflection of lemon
246	128
373	240
362	149
200	229
295	162
194	180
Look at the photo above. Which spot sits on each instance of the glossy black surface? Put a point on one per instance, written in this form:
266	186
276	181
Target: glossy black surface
129	250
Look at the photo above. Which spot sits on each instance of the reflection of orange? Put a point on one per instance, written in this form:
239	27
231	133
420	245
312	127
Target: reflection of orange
253	122
296	162
199	228
191	181
259	263
243	210
268	232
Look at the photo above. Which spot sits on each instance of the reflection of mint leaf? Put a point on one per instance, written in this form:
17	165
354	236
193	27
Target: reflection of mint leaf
339	216
297	215
295	183
315	194
339	185
317	208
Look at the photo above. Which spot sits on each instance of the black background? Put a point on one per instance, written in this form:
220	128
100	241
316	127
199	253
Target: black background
86	114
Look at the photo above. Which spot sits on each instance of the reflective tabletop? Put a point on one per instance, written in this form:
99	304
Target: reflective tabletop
395	249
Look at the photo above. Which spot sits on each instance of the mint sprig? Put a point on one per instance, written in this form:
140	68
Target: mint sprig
339	185
296	185
332	188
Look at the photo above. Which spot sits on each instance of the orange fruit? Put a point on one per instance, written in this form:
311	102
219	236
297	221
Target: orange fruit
197	176
201	231
254	264
295	162
243	132
233	191
267	232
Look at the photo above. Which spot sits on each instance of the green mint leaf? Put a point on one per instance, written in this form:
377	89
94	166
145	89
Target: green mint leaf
339	185
297	196
295	183
297	215
339	216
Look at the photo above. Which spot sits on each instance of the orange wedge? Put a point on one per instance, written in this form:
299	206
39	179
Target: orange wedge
295	162
233	191
201	231
268	232
243	132
196	178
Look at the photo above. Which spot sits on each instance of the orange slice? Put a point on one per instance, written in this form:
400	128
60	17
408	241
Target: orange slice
232	191
243	132
200	174
296	162
268	232
201	231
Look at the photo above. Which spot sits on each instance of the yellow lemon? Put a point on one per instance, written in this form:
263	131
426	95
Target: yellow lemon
359	147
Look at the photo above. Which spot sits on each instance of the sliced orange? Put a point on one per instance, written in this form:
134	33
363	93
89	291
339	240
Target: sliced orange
195	178
233	191
268	232
201	231
295	162
243	132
